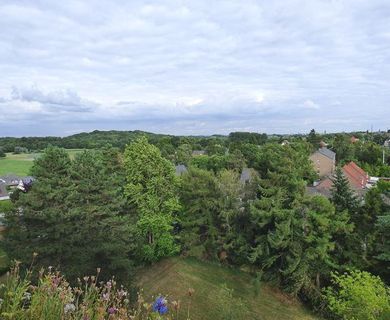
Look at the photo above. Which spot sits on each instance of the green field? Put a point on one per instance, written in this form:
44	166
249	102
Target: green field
20	164
174	276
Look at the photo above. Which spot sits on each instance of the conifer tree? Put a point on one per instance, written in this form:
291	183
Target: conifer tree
71	217
342	196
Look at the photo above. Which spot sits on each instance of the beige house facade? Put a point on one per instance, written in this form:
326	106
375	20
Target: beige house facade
324	161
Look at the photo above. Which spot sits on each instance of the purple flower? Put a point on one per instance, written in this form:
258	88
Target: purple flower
112	310
160	305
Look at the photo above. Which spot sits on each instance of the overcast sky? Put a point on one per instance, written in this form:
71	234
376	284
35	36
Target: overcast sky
194	67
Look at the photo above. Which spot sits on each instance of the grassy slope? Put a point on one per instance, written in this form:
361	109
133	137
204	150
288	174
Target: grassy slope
175	275
20	164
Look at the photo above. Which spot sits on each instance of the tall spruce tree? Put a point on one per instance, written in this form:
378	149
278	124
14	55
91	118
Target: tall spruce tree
200	197
71	217
342	195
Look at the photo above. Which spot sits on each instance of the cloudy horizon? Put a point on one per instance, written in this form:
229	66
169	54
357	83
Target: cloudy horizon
194	67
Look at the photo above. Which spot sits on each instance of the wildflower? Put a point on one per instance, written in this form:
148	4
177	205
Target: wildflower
27	296
106	296
122	293
176	305
69	307
112	310
160	305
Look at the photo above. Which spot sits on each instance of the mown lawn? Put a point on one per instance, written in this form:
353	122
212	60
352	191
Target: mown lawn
20	164
174	276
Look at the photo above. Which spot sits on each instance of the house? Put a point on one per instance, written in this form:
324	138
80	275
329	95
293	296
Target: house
324	161
180	169
354	139
358	179
323	144
285	143
198	152
10	180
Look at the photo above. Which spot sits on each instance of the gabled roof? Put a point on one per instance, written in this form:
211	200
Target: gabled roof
327	153
10	179
356	176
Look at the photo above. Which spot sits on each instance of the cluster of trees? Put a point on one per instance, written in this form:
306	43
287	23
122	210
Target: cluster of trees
115	210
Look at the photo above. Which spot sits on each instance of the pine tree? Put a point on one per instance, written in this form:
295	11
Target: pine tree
200	196
342	196
71	217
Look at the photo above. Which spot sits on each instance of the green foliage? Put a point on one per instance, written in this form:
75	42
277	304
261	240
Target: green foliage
342	196
358	296
200	196
314	139
72	217
228	306
2	153
383	245
151	190
343	147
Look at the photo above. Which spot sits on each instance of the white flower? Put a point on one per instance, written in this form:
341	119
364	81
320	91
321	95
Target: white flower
69	307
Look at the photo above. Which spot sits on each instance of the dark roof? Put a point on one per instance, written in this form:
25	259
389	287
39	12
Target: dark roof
327	153
10	179
246	175
180	169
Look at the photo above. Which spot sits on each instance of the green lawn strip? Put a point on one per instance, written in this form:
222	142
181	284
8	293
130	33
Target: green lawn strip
174	276
20	164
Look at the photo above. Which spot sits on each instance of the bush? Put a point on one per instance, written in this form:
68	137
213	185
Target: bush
358	296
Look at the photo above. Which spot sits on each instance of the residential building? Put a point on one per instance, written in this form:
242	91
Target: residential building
324	161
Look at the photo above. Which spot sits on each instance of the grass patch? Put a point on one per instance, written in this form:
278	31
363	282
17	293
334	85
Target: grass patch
20	164
174	276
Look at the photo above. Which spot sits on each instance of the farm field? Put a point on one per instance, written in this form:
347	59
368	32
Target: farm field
174	276
20	164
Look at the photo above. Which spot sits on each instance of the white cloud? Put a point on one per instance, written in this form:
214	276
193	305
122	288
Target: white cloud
253	64
310	104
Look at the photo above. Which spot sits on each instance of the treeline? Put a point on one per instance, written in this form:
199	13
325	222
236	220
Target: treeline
117	210
119	139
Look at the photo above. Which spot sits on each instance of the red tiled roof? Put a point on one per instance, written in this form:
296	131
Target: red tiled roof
356	176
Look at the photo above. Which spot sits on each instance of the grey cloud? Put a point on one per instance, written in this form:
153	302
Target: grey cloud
144	63
60	100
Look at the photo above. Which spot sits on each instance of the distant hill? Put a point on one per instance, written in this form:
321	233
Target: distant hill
174	276
85	140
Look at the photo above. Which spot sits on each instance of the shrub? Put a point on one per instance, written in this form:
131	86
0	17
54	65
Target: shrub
358	295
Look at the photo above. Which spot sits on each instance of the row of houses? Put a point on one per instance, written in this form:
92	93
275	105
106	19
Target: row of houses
324	162
10	182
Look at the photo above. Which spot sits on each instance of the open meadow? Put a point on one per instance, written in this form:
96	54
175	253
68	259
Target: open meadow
20	164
